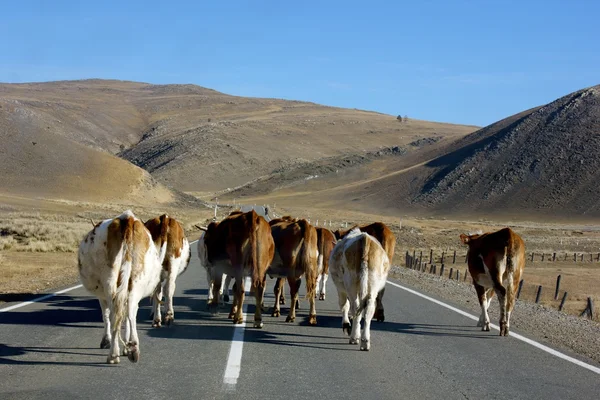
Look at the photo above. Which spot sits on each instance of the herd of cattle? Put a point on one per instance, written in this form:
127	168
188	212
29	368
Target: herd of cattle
123	260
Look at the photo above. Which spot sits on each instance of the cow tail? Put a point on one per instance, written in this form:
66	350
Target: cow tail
254	250
308	260
364	294
119	300
164	235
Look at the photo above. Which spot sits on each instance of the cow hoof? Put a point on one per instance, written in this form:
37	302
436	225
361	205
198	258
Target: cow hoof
105	343
237	321
156	323
353	341
276	313
169	320
486	327
312	319
379	315
503	329
347	328
258	324
297	304
290	319
134	355
365	345
230	316
226	298
113	360
322	296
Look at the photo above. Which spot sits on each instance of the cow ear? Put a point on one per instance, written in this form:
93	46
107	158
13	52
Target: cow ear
464	238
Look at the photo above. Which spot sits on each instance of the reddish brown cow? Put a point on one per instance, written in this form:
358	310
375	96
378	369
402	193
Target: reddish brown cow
295	255
325	243
240	245
496	261
387	239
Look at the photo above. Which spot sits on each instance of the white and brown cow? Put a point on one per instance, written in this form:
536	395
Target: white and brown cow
359	267
496	261
119	264
240	245
387	239
296	255
174	255
325	242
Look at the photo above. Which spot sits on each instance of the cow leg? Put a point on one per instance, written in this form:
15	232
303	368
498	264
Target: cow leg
126	337
294	286
170	291
502	299
133	344
106	338
323	291
282	295
379	315
236	310
259	292
318	291
156	301
510	299
484	318
113	357
226	289
213	304
354	304
369	311
210	282
278	291
312	315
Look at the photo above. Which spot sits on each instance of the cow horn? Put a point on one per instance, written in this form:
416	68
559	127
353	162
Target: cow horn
93	223
201	228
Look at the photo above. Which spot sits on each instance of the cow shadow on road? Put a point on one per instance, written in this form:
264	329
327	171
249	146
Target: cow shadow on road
59	311
430	330
18	351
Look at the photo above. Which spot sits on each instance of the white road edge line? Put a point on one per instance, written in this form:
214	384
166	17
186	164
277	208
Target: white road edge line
42	298
512	334
234	362
26	303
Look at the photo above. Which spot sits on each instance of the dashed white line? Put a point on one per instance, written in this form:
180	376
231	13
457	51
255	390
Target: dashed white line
234	362
514	335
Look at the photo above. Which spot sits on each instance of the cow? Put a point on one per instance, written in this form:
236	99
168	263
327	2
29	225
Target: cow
296	255
496	261
119	263
240	245
174	255
325	242
387	239
359	267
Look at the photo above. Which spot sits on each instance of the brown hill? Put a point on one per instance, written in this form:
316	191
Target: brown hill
200	140
541	162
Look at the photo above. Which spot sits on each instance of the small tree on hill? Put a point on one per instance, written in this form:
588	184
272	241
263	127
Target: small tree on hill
399	118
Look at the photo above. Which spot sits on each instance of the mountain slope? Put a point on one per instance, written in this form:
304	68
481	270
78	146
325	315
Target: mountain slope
199	140
540	162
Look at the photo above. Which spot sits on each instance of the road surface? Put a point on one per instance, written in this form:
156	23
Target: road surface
50	349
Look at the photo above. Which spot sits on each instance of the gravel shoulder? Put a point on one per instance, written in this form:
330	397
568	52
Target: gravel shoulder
549	326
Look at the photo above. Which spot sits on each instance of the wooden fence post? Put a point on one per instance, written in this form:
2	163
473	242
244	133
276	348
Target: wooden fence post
589	309
466	257
554	257
543	255
450	274
457	275
532	254
520	287
562	302
442	270
465	278
431	256
442	261
591	257
557	287
406	259
421	255
575	257
454	257
538	294
581	256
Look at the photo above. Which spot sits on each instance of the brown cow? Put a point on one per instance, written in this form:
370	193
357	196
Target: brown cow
387	239
296	254
174	255
325	242
496	261
240	245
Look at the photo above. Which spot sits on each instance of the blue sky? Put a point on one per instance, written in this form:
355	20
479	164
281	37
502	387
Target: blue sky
471	62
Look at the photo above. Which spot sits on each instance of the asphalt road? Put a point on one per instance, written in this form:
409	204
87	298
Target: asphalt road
50	349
